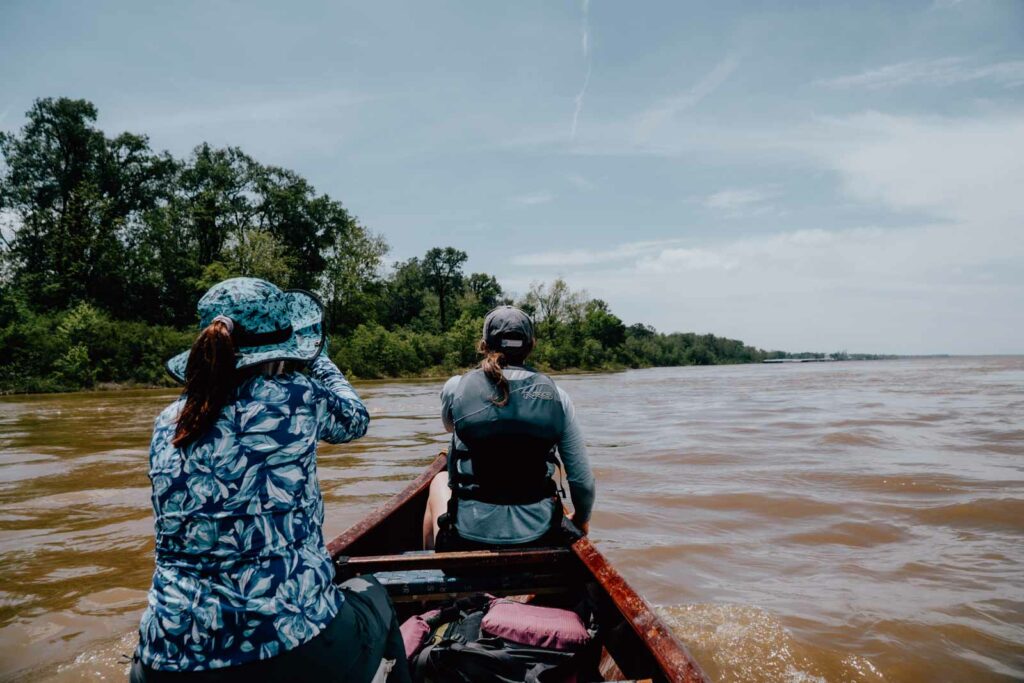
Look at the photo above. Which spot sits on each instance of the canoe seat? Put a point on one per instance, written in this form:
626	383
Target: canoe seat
425	575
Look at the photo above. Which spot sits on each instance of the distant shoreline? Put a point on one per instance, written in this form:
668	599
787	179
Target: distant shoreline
438	375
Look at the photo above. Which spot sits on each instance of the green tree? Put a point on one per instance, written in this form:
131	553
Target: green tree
404	292
557	311
214	199
75	200
215	272
482	293
187	239
311	226
259	253
485	288
600	324
699	354
256	220
351	283
105	245
442	273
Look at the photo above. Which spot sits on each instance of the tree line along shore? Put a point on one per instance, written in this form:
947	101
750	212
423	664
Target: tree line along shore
106	245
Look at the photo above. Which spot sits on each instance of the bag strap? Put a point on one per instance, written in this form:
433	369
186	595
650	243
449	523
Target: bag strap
418	665
570	665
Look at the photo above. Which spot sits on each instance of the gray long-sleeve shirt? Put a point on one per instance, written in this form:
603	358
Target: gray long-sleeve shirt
513	524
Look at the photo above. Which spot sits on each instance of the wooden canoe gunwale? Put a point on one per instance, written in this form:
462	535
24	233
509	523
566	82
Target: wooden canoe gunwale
675	660
367	524
669	654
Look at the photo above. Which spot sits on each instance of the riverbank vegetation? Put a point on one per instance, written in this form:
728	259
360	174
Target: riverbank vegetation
106	245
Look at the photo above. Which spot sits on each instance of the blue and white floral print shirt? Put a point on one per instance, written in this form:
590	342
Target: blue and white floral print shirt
242	571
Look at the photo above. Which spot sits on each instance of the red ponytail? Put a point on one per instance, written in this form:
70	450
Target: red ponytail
209	382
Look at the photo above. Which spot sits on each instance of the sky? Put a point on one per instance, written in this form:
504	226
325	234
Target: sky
802	176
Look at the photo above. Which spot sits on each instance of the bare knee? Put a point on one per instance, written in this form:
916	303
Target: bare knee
437	505
439	484
437	501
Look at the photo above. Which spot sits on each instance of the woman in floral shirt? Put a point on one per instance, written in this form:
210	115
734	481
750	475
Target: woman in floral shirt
243	587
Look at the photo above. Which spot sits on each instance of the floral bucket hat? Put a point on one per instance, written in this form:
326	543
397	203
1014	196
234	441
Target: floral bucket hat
268	324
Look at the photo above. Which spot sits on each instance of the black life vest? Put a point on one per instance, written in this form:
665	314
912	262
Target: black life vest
508	448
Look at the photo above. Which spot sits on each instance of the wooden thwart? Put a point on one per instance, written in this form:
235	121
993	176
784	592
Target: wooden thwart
422	575
506	559
435	585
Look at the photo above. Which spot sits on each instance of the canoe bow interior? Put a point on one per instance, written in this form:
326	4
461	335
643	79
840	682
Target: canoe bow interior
638	644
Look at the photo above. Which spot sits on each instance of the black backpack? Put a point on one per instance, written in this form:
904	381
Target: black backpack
456	651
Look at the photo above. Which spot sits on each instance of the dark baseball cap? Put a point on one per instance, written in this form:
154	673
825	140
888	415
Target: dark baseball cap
507	327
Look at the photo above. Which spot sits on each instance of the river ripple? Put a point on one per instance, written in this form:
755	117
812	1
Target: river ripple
832	522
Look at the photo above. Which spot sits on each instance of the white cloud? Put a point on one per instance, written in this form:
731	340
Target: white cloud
793	251
867	289
279	109
938	72
676	260
585	46
592	257
653	118
579	182
953	284
534	198
736	202
968	170
279	128
658	132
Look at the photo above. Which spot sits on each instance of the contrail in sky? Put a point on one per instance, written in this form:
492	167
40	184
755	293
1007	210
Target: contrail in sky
586	58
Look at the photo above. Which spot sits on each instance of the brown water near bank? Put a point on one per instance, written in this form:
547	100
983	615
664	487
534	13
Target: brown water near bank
818	522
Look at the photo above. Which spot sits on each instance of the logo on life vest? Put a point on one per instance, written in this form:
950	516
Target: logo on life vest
542	394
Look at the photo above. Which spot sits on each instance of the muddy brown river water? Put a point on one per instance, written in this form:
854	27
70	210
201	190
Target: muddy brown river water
814	522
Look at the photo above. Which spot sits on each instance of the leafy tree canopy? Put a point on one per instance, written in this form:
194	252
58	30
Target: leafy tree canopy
105	246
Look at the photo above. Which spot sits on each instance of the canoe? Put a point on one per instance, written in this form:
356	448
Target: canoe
636	643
